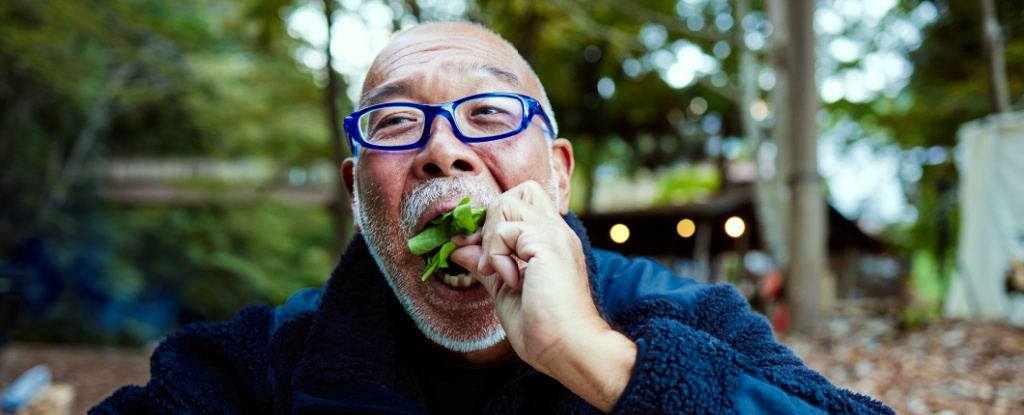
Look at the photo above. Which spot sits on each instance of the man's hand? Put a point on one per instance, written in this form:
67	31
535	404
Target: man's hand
533	266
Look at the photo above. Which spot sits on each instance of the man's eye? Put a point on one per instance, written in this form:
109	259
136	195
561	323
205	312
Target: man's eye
394	120
486	111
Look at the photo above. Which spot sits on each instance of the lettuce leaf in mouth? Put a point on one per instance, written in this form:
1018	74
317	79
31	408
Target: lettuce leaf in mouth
435	239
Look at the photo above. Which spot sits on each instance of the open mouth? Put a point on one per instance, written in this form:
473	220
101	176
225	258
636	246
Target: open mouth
454	275
434	242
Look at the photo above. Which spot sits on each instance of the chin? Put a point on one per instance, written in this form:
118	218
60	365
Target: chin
460	319
457	316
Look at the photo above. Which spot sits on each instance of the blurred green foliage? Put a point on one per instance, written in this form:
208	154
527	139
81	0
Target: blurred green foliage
220	256
643	123
927	288
84	81
686	184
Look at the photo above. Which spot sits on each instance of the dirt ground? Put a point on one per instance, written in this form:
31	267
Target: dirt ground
93	372
945	368
949	367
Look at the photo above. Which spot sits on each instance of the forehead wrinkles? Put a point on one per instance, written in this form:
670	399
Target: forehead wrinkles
452	76
402	57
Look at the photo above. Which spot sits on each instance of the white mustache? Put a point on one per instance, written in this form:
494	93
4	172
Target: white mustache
419	199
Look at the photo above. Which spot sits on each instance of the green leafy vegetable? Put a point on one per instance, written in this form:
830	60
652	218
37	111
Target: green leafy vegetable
431	237
462	221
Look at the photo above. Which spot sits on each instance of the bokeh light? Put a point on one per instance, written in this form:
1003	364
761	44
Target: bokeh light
735	226
619	233
759	110
686	228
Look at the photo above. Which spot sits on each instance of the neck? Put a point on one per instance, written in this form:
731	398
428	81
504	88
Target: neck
497	354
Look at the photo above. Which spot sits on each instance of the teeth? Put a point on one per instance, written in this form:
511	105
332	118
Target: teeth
461	280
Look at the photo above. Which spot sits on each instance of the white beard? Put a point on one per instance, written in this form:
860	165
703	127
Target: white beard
389	250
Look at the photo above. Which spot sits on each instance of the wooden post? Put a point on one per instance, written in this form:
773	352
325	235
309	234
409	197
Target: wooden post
772	193
808	247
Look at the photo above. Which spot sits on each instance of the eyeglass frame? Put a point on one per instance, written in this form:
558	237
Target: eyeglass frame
432	111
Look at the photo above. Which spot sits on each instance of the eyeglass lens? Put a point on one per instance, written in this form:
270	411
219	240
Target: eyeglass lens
476	118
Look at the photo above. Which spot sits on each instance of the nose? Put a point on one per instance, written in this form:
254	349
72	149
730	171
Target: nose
444	154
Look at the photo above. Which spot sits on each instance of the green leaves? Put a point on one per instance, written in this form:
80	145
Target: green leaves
462	221
431	237
439	259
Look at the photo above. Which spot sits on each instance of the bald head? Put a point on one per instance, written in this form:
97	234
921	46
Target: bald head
429	62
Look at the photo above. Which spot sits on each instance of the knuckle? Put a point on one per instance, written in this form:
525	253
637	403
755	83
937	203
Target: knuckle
506	229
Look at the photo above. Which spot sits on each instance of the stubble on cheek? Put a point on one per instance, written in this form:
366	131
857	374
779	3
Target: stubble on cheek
458	326
380	229
389	217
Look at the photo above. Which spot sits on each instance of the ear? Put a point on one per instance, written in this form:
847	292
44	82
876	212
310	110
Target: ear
347	174
563	161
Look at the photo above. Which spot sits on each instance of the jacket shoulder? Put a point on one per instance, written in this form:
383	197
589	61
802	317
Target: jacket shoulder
622	280
306	299
204	368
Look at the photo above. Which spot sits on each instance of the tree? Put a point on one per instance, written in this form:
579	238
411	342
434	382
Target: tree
807	243
604	65
993	40
141	79
340	208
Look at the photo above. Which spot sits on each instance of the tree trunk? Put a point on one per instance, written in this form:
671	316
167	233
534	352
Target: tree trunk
772	193
340	207
992	38
99	116
748	67
808	207
770	208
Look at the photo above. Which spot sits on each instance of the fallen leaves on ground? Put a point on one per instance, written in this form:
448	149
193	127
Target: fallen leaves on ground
947	367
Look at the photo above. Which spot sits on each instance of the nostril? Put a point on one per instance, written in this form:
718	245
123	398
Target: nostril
431	168
462	165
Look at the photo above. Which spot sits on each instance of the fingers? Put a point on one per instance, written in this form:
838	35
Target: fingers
472	239
500	253
525	202
496	250
467	257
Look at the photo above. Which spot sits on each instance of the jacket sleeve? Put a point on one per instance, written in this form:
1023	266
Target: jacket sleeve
701	350
204	368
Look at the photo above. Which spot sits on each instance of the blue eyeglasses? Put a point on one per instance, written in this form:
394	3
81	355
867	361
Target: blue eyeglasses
478	118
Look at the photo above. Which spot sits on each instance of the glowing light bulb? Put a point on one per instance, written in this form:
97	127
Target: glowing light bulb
686	228
735	226
619	233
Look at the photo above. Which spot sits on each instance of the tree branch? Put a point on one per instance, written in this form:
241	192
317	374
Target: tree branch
993	41
644	14
97	119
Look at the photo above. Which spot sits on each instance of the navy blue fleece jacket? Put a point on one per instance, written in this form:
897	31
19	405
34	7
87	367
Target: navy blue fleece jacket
345	349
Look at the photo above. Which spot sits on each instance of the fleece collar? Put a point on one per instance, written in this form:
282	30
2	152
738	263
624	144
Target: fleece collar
359	330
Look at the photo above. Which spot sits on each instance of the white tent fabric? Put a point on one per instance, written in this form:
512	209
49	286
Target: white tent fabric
992	218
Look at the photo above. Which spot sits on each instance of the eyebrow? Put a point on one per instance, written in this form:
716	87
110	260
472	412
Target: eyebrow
383	92
499	72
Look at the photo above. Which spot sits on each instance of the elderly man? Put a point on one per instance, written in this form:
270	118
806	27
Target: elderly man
533	321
